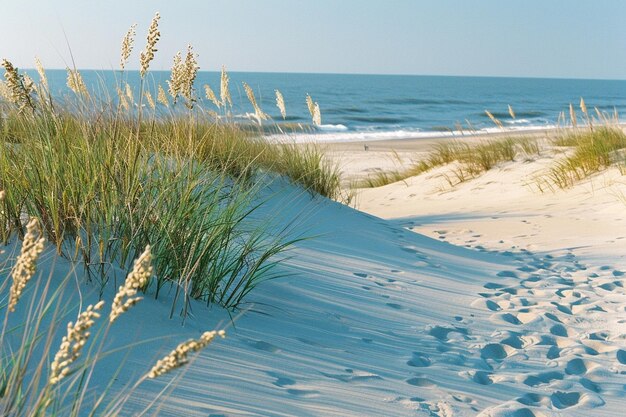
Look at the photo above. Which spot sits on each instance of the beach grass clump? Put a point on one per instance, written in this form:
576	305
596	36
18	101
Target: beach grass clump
106	178
472	159
42	377
593	150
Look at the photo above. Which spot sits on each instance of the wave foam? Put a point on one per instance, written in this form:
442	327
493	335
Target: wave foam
362	136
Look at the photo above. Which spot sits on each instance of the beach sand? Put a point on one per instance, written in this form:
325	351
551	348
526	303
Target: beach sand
487	299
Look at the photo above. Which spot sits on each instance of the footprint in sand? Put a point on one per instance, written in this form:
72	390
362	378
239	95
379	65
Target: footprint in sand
261	345
353	376
419	360
442	333
421	382
496	351
543	378
304	393
281	380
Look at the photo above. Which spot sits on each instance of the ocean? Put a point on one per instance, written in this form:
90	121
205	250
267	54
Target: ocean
378	107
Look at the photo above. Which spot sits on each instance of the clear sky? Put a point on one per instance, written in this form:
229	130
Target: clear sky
534	38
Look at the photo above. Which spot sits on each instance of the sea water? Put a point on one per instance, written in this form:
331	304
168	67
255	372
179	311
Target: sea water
375	107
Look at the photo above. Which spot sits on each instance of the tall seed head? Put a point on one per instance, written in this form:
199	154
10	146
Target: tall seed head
75	82
280	103
20	89
25	265
136	279
583	106
43	79
149	99
180	355
73	342
257	110
162	97
511	112
572	115
494	120
175	83
129	93
314	110
147	55
190	70
127	45
210	94
224	91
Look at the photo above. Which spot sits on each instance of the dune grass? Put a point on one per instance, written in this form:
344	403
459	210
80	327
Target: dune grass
472	159
47	365
593	151
107	175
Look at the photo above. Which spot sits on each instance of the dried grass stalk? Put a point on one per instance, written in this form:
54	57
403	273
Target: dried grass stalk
73	342
180	356
147	55
210	95
511	112
43	79
127	45
20	91
280	103
572	115
149	99
314	110
259	114
224	90
136	279
25	266
494	120
75	82
162	97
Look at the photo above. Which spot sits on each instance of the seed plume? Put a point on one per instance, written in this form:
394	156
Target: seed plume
175	83
136	279
511	112
280	103
572	115
129	93
494	120
5	93
127	45
162	97
25	265
123	99
190	71
210	94
75	82
224	91
314	109
179	356
147	55
73	342
43	79
583	106
149	99
20	90
257	110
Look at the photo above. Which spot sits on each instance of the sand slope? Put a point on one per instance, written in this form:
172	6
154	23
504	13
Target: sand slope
376	320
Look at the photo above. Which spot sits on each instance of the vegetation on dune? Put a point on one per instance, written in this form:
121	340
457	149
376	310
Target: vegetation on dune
472	159
106	177
45	374
144	175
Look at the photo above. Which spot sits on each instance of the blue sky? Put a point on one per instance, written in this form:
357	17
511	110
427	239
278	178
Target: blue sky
534	38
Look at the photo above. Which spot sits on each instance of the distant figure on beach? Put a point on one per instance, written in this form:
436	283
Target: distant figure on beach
366	147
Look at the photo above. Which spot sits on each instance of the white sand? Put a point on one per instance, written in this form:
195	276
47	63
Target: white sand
376	320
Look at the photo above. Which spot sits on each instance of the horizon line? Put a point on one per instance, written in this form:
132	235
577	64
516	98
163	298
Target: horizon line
360	74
